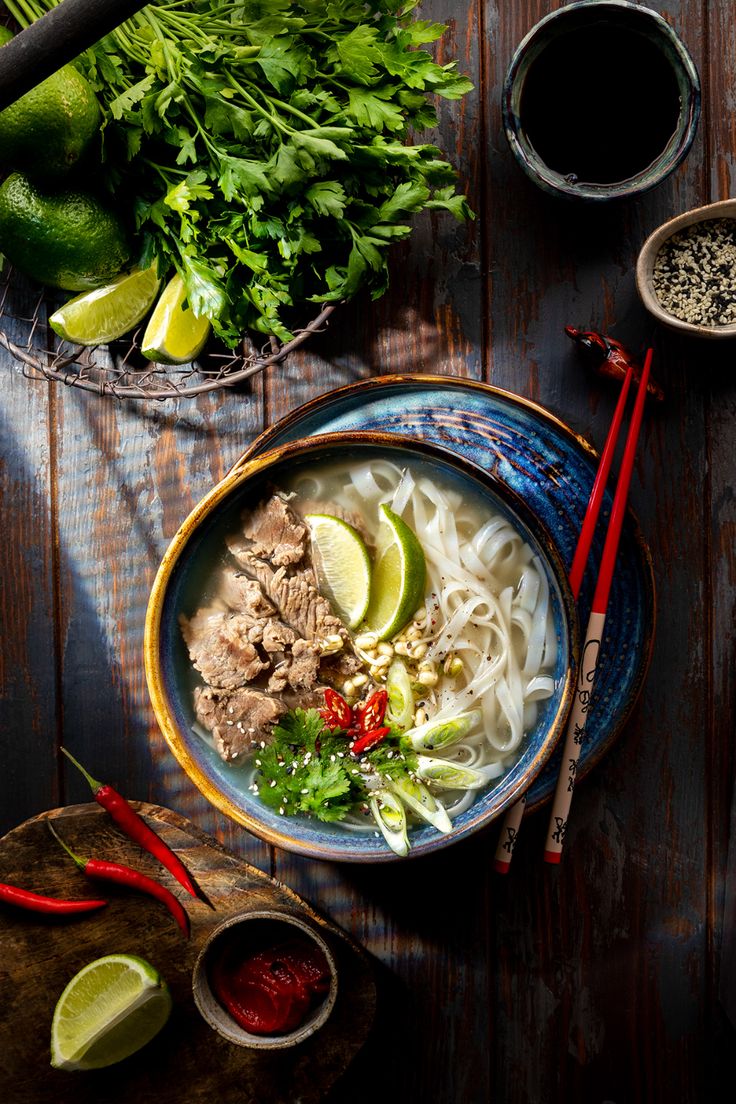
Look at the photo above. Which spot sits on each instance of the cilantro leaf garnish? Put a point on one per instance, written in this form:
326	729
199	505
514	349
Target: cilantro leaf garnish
307	769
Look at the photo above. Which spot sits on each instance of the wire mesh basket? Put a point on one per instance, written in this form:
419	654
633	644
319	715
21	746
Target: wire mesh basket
120	369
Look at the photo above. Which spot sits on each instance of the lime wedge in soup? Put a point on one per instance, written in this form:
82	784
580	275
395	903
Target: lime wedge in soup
343	566
108	312
174	334
399	577
110	1009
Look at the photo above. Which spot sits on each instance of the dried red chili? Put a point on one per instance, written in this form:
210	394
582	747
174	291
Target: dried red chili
126	876
53	906
136	828
372	712
370	740
336	713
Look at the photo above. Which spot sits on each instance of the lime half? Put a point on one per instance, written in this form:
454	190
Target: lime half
343	566
399	577
174	334
108	312
110	1009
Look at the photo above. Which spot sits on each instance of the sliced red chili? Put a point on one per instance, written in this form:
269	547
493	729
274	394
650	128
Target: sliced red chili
336	713
372	712
370	740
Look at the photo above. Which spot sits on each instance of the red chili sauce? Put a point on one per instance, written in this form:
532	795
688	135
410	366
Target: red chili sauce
270	992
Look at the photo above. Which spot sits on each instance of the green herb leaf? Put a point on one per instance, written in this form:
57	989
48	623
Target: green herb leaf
306	769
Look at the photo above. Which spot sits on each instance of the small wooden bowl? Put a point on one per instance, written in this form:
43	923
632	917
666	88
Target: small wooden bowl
725	208
259	928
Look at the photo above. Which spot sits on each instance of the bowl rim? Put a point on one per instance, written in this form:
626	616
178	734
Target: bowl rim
666	162
238	1035
708	212
254	466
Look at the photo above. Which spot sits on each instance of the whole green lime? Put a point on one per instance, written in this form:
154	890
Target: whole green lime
66	238
46	131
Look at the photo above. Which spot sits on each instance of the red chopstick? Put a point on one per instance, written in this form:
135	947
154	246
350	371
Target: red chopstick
514	816
575	735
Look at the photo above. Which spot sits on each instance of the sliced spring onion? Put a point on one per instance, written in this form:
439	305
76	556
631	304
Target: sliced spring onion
422	802
389	815
436	736
450	776
400	710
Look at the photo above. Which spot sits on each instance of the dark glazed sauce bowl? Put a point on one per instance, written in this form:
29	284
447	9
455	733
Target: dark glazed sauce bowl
648	32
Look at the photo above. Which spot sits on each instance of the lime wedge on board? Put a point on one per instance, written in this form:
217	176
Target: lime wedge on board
108	312
174	334
343	566
110	1009
399	577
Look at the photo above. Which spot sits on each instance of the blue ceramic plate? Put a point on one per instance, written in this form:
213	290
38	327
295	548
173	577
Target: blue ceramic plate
553	470
183	578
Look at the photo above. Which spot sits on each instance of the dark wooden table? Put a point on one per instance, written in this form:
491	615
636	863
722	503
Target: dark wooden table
595	982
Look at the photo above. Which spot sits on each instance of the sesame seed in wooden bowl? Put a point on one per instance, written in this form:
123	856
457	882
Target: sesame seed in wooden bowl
686	271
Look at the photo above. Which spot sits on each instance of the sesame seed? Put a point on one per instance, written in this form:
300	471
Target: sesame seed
694	275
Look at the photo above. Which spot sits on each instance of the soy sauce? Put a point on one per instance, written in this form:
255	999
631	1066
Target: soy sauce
599	104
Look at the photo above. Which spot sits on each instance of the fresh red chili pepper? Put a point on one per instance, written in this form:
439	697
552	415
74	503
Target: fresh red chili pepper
371	714
370	740
126	876
337	713
136	828
36	902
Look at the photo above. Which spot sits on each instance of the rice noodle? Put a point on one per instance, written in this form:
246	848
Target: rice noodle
488	602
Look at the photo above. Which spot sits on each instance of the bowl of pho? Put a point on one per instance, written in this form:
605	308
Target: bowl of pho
361	647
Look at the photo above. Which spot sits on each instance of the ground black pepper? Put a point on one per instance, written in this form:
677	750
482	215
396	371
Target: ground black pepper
694	274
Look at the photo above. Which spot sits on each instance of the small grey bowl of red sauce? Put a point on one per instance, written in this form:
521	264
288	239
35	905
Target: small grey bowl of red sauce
265	979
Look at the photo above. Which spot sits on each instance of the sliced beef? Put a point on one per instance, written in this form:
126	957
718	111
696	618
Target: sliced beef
299	669
276	533
277	637
335	669
244	595
295	595
221	649
239	720
265	626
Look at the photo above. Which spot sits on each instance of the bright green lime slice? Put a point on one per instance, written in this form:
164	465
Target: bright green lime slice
110	1009
108	312
399	577
174	334
343	566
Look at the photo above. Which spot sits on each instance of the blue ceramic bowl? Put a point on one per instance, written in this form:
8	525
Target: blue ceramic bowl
619	14
178	589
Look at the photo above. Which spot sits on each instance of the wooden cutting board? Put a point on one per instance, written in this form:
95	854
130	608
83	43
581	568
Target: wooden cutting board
187	1062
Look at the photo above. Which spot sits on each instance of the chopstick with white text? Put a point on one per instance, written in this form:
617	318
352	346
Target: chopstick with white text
514	816
594	634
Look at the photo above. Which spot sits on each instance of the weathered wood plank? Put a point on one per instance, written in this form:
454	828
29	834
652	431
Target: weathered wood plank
625	913
28	689
720	531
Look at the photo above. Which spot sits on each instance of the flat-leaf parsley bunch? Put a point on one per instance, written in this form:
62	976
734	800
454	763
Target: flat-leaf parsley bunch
264	145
